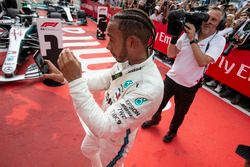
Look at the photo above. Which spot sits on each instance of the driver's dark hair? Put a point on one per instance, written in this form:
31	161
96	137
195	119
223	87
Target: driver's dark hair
136	22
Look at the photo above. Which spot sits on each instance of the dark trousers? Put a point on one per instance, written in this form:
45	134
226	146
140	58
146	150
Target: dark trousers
183	98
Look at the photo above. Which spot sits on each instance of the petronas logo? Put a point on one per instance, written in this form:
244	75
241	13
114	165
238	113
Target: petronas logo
127	83
140	101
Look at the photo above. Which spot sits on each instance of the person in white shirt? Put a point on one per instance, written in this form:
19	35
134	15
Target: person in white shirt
157	16
228	26
134	89
193	52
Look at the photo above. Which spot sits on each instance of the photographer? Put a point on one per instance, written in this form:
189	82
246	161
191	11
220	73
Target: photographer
193	52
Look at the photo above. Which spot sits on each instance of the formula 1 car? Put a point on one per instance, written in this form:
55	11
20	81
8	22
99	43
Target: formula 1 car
19	36
240	39
68	12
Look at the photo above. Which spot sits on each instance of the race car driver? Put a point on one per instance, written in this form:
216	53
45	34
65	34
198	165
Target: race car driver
134	89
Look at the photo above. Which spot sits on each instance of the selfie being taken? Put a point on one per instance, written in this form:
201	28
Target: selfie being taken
125	83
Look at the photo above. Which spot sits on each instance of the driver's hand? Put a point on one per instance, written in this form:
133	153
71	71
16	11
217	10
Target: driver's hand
69	65
53	73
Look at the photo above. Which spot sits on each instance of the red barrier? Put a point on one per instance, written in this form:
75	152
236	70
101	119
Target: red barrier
88	7
233	70
162	38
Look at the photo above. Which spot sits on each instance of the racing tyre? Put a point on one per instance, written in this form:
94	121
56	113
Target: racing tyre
11	12
51	9
81	16
55	15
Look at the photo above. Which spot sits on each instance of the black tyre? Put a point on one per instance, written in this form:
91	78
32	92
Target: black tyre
55	15
81	14
51	9
12	12
81	18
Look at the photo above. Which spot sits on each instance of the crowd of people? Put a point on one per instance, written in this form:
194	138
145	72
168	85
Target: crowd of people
236	15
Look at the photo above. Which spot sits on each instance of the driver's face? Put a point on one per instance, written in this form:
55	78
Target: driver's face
116	44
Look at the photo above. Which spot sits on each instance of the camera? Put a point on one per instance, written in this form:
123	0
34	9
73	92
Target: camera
178	18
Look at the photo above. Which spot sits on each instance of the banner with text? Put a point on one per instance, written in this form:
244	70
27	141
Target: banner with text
162	38
233	70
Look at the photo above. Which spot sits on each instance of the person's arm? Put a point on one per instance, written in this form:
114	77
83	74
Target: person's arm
129	112
98	80
172	50
72	71
238	13
200	57
131	4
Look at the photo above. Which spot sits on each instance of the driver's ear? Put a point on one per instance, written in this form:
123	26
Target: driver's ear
132	42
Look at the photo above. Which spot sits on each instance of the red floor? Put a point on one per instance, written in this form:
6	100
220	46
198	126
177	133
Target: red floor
39	128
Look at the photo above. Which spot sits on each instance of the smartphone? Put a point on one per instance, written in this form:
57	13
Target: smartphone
38	58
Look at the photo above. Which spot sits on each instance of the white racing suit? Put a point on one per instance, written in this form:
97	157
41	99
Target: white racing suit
133	94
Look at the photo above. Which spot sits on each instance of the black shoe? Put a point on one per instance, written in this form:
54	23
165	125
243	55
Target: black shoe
226	93
169	137
236	99
245	103
149	123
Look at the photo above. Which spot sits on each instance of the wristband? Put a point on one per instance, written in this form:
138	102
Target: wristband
174	40
193	41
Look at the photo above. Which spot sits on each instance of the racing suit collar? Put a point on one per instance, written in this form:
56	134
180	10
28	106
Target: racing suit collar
126	67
